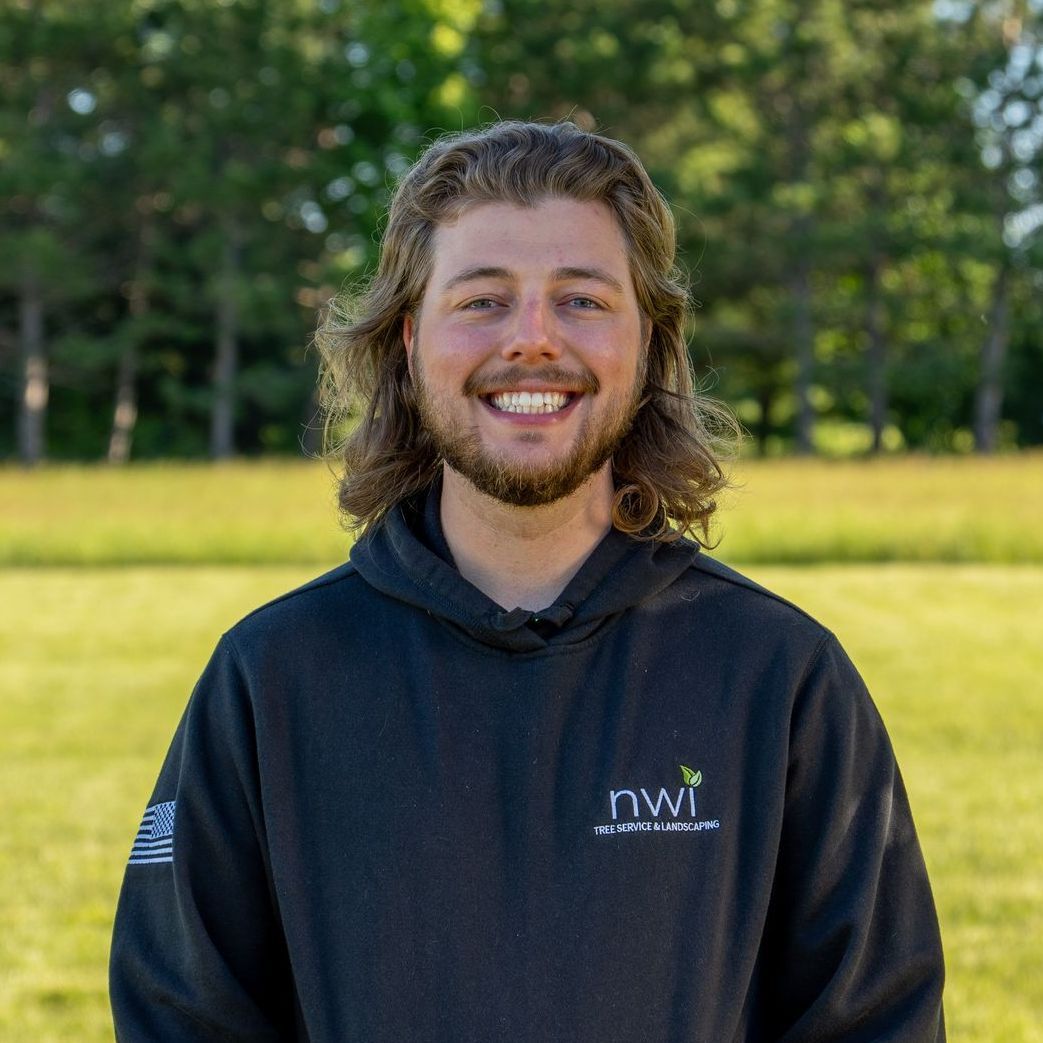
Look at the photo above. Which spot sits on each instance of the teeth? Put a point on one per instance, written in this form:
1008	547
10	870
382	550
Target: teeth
529	401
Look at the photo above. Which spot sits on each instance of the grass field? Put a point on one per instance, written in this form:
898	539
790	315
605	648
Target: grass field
797	512
96	664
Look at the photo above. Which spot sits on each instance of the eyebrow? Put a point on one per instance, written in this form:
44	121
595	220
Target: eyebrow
559	274
478	272
593	274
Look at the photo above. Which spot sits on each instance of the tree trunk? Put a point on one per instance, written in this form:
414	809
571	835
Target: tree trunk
878	390
796	172
988	403
804	343
35	384
125	415
226	350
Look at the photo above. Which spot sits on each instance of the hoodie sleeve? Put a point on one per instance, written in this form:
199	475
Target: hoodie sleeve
197	951
857	951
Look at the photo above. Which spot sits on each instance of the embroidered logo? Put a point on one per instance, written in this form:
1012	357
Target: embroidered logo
641	810
155	839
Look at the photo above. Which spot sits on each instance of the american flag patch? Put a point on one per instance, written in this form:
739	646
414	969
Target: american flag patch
155	839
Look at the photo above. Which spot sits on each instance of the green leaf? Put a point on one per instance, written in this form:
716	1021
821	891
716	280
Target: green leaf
691	778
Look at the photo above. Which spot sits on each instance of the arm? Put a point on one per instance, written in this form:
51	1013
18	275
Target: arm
853	935
197	951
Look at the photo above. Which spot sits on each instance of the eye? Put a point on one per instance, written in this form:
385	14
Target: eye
480	304
584	303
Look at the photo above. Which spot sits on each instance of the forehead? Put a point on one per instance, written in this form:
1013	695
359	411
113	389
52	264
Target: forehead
554	233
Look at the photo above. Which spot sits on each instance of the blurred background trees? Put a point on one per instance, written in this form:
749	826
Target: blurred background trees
184	183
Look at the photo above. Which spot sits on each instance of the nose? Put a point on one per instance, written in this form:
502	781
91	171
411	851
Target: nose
531	338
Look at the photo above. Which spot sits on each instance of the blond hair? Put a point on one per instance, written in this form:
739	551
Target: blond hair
667	470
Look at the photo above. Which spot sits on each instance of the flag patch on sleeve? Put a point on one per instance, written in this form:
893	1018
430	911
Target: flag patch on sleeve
155	839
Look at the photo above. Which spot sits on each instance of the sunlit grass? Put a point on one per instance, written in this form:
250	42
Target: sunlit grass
232	513
954	656
955	509
96	665
788	511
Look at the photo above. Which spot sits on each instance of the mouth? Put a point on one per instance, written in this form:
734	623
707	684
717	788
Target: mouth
530	403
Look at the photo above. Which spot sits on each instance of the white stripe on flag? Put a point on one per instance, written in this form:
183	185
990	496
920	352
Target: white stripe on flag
155	838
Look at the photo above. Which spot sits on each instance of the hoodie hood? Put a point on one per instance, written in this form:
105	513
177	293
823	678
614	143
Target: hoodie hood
619	573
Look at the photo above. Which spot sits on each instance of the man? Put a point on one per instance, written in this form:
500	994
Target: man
530	766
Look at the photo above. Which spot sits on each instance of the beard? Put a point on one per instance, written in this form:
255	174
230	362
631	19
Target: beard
528	483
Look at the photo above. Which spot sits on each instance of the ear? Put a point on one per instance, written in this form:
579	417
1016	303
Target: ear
408	336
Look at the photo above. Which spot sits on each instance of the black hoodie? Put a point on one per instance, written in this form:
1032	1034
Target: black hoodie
662	809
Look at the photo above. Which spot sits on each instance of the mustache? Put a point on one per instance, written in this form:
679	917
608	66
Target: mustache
510	376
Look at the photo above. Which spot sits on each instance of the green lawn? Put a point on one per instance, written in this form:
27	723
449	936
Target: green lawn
115	584
96	664
278	512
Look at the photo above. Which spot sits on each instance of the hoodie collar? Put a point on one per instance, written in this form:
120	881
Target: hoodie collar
406	557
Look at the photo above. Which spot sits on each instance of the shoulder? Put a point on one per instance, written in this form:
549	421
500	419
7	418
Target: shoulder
307	609
737	594
730	624
745	628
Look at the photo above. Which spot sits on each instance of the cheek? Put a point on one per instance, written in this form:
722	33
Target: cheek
470	339
616	366
453	350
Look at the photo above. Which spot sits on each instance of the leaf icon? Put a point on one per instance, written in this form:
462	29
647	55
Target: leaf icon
691	778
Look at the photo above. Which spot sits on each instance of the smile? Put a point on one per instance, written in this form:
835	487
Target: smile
530	402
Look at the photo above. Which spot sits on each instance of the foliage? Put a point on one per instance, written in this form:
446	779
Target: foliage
185	183
844	231
190	181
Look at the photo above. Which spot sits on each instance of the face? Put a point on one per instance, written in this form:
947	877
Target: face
528	352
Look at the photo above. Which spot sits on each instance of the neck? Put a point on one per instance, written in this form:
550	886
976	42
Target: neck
524	557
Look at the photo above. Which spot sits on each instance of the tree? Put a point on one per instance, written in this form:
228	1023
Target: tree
1008	114
47	143
826	155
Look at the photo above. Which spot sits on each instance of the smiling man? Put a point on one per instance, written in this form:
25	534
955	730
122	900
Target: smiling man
528	369
531	765
526	310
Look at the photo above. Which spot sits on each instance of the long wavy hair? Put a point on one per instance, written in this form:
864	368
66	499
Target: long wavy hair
667	471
